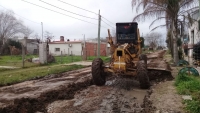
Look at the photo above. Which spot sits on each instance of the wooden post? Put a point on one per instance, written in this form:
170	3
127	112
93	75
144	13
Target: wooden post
72	56
61	58
23	54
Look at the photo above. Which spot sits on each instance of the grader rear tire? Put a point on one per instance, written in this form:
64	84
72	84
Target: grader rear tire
142	75
98	74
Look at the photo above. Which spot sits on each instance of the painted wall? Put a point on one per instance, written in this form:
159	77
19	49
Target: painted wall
194	37
31	47
193	31
66	48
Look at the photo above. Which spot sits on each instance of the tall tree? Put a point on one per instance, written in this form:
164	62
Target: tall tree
153	39
9	25
27	31
49	36
170	10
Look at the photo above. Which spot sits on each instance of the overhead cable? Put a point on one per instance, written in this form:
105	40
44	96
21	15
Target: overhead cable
107	23
78	7
58	12
85	10
68	11
21	16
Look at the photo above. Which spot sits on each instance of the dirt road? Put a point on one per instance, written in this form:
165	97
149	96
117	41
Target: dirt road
74	92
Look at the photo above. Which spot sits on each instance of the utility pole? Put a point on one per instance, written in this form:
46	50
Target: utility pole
24	49
84	40
99	27
42	31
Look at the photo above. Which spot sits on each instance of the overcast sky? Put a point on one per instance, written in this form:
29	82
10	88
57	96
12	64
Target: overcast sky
60	25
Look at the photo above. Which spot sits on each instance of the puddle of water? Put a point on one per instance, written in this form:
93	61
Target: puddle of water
110	82
139	94
70	77
77	103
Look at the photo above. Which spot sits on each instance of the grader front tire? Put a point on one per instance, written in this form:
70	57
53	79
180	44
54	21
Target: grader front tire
98	74
142	75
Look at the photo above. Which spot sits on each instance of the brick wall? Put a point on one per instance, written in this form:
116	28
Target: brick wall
91	49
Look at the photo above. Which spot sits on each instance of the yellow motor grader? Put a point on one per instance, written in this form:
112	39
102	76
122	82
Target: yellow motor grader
126	56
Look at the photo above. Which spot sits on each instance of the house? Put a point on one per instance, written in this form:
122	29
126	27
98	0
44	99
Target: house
63	47
31	45
193	31
68	47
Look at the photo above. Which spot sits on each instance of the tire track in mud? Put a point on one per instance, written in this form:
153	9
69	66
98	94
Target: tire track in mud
32	105
121	95
114	97
126	97
39	103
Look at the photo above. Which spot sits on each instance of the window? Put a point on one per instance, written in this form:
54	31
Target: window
57	49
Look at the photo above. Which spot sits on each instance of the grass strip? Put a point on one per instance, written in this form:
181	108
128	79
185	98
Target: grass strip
189	85
23	74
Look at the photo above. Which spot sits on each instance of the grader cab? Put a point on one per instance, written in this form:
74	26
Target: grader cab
126	58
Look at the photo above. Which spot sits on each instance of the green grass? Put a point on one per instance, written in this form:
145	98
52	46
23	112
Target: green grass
32	70
67	59
104	58
189	85
23	74
16	60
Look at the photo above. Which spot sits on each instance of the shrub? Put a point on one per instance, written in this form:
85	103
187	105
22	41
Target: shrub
182	78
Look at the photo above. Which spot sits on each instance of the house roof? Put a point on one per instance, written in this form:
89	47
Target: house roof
62	42
32	41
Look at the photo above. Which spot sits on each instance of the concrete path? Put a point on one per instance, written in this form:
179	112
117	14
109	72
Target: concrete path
9	67
84	63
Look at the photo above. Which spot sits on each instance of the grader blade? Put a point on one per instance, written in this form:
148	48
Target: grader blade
158	68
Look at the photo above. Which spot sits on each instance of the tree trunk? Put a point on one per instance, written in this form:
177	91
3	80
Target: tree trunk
171	44
175	48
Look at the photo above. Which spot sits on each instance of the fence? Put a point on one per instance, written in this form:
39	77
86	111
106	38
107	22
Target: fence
74	56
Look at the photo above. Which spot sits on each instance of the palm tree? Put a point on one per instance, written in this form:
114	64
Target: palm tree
173	11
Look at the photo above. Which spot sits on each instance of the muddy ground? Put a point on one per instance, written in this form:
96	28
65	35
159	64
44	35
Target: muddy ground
74	92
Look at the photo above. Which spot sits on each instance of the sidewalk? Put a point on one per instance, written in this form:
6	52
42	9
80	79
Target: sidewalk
9	67
84	63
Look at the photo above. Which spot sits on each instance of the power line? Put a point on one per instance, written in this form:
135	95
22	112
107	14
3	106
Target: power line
21	16
84	10
107	20
61	13
68	11
107	24
73	12
78	7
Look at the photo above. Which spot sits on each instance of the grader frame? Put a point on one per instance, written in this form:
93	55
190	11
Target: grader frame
126	57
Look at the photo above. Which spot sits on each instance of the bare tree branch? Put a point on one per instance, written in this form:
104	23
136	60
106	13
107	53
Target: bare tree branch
9	25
